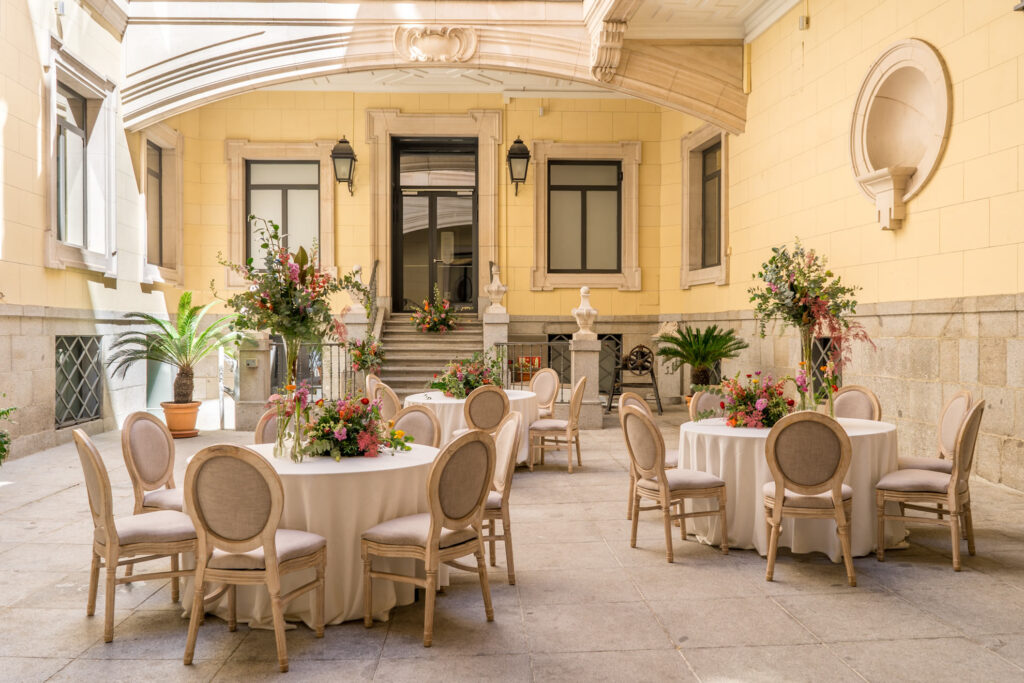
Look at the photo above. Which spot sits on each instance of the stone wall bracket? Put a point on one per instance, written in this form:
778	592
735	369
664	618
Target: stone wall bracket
888	185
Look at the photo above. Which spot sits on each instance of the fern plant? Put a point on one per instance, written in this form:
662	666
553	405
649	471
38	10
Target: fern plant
700	349
179	344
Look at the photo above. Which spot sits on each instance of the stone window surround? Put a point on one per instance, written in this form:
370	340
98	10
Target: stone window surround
172	144
485	126
628	153
691	147
237	153
98	91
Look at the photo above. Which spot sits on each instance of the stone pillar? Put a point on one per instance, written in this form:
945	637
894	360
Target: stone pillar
495	316
670	384
253	388
585	350
355	319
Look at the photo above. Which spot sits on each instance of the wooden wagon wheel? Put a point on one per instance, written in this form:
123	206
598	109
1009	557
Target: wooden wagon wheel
640	360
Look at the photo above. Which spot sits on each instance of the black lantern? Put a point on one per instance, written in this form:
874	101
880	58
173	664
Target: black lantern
344	162
518	162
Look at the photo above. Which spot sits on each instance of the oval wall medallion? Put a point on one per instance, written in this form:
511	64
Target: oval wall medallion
900	126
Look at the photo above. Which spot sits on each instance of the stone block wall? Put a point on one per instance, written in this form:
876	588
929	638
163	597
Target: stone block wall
925	351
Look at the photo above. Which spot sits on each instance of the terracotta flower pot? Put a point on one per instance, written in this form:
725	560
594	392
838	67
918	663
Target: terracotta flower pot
181	418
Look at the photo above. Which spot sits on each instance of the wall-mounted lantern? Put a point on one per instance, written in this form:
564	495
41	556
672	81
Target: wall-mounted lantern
344	162
518	162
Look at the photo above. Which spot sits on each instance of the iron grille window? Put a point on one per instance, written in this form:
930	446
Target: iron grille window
559	357
79	380
821	352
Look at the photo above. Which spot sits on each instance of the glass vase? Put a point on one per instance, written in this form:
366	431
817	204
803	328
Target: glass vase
806	352
291	359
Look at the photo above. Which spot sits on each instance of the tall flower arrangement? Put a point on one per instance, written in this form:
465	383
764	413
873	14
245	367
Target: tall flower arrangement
461	377
435	316
366	354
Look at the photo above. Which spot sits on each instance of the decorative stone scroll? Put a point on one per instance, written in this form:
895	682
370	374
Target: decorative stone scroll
606	50
443	44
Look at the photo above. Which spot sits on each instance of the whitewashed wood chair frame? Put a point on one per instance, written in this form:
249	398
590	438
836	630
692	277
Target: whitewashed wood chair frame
409	412
952	507
111	553
263	537
266	427
840	509
868	395
627	399
389	403
505	465
371	383
546	401
430	553
542	439
702	401
483	395
141	483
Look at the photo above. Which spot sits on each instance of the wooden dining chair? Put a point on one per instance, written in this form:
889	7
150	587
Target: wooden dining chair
857	402
627	399
389	403
947	496
457	487
953	415
127	540
808	455
506	447
372	381
485	408
148	450
551	434
266	428
703	402
421	424
545	384
669	489
235	499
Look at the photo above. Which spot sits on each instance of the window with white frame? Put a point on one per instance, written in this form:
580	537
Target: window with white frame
704	219
286	193
586	215
82	204
160	181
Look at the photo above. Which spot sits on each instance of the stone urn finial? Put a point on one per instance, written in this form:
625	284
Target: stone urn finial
585	315
495	291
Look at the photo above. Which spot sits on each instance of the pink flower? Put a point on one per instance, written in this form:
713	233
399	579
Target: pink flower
340	433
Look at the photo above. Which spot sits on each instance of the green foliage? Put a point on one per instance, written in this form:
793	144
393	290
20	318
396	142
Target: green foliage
179	344
461	377
5	437
435	316
700	349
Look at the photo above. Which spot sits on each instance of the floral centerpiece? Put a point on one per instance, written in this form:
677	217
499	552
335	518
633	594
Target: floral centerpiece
293	410
799	290
367	354
288	294
352	427
461	377
435	316
759	402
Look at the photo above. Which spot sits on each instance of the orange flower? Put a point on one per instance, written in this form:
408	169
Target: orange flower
289	387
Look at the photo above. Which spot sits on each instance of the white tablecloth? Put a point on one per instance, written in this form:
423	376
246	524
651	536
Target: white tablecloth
450	413
737	456
339	501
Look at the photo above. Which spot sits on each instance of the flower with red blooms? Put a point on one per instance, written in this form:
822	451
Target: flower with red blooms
365	401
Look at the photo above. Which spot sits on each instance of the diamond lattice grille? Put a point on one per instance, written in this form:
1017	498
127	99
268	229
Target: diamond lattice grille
79	380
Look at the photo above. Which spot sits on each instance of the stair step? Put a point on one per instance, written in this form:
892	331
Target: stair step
421	348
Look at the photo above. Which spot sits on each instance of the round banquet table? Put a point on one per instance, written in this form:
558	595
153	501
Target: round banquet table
339	501
737	456
450	413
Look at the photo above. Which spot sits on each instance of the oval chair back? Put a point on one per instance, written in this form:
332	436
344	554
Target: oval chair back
266	428
459	482
545	383
953	415
629	399
485	408
372	381
421	424
703	401
389	403
148	450
858	402
808	453
576	402
644	443
97	487
963	458
506	447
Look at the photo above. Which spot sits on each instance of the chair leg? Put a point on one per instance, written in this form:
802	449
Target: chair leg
632	490
108	596
232	612
666	514
175	595
880	515
367	590
969	528
636	514
844	541
94	580
773	548
954	532
321	594
568	449
530	452
579	454
428	608
193	622
277	610
506	531
490	543
129	570
682	520
725	522
485	585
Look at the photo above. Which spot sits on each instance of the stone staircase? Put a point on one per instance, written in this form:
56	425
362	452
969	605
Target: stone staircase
413	357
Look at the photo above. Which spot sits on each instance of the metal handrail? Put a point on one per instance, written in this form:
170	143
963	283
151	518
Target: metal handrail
523	359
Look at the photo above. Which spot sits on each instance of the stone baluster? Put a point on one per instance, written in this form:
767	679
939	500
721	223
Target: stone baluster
495	316
585	350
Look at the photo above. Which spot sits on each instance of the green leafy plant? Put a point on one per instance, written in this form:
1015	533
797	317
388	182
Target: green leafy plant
700	349
5	437
461	377
179	344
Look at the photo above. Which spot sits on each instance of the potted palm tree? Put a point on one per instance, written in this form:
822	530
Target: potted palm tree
700	349
179	344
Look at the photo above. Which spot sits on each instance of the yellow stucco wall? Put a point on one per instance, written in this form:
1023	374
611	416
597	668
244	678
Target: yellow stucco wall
790	172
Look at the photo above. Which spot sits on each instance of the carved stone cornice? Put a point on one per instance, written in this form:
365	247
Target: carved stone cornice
606	50
443	44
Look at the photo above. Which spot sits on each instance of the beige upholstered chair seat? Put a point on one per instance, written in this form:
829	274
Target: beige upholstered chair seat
683	480
493	501
162	526
415	530
934	464
549	425
796	500
165	499
916	480
544	412
289	543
